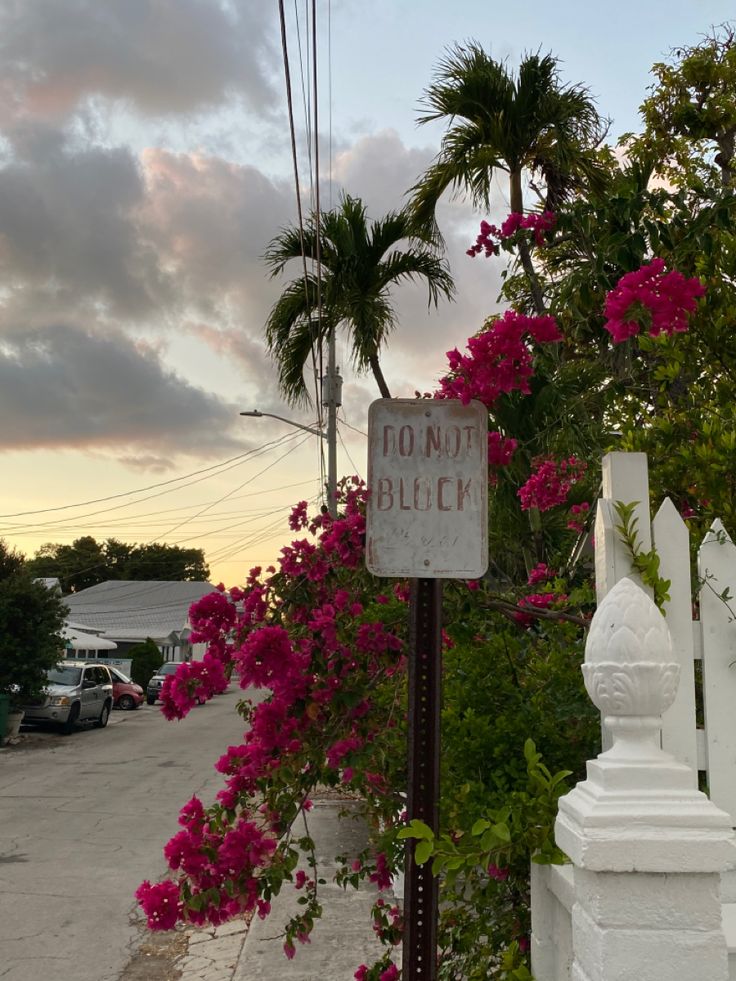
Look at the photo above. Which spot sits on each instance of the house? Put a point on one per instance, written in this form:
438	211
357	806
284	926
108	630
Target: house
128	612
82	641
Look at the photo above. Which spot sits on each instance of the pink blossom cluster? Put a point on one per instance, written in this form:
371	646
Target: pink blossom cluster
578	516
194	682
497	873
391	973
651	297
302	636
537	601
550	483
500	449
490	236
388	922
540	573
161	903
381	874
500	359
298	517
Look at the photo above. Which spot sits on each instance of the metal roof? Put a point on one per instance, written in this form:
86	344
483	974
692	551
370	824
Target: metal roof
134	610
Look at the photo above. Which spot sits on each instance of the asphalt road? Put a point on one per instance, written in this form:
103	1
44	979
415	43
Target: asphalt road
83	819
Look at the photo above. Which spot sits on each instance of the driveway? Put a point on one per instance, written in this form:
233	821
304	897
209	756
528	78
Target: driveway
83	819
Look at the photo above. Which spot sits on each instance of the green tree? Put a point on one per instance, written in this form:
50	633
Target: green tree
165	562
354	263
31	619
87	562
497	121
145	657
76	566
691	113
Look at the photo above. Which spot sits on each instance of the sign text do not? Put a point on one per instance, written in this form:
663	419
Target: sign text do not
428	484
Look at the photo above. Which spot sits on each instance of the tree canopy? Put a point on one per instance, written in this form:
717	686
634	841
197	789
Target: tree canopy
31	619
498	120
87	562
353	265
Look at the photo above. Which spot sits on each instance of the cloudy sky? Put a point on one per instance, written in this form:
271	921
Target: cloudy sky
145	165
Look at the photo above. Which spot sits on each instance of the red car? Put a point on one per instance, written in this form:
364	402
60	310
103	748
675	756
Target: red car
126	693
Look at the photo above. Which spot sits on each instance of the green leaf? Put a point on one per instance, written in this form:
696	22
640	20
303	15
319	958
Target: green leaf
417	829
423	851
502	831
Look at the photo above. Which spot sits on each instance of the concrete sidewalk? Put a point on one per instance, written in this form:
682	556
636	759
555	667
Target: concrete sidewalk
343	939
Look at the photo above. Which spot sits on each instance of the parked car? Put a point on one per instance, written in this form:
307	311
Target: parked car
77	691
126	694
156	683
153	689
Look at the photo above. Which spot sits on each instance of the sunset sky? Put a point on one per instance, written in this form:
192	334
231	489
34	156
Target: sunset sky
145	165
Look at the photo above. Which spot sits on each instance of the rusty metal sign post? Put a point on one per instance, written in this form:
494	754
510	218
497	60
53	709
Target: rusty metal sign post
426	520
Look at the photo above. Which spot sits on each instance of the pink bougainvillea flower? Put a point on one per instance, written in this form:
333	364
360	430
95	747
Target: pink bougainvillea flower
500	449
382	873
497	873
578	516
539	601
298	517
160	902
540	573
550	483
651	297
499	359
490	237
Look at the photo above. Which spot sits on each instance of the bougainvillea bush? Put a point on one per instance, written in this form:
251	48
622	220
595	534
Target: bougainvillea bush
616	334
323	644
319	647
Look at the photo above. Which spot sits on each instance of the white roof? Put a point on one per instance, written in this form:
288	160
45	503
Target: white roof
133	610
77	640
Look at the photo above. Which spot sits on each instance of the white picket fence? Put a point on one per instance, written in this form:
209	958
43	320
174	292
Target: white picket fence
708	640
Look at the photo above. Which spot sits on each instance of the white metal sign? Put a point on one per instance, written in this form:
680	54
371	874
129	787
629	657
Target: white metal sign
427	511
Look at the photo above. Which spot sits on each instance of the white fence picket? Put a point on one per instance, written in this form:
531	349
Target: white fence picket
671	540
625	480
717	572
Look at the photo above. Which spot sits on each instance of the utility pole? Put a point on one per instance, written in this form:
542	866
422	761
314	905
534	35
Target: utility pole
331	399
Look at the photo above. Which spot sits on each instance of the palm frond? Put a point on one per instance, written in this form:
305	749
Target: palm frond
419	263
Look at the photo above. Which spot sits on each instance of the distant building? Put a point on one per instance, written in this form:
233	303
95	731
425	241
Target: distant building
128	612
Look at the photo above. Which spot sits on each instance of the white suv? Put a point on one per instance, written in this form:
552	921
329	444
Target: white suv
77	691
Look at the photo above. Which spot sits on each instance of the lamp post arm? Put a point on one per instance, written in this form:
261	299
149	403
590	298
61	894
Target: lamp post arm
257	414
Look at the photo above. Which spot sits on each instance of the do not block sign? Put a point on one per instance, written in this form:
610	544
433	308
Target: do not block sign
427	511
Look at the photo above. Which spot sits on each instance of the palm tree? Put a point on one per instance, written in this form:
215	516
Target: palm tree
353	265
512	124
502	122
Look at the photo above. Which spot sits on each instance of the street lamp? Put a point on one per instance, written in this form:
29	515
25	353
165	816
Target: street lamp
257	414
332	468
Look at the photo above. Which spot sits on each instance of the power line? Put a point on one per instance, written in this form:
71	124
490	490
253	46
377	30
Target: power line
347	453
68	524
139	490
230	493
224	469
290	438
359	431
262	535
